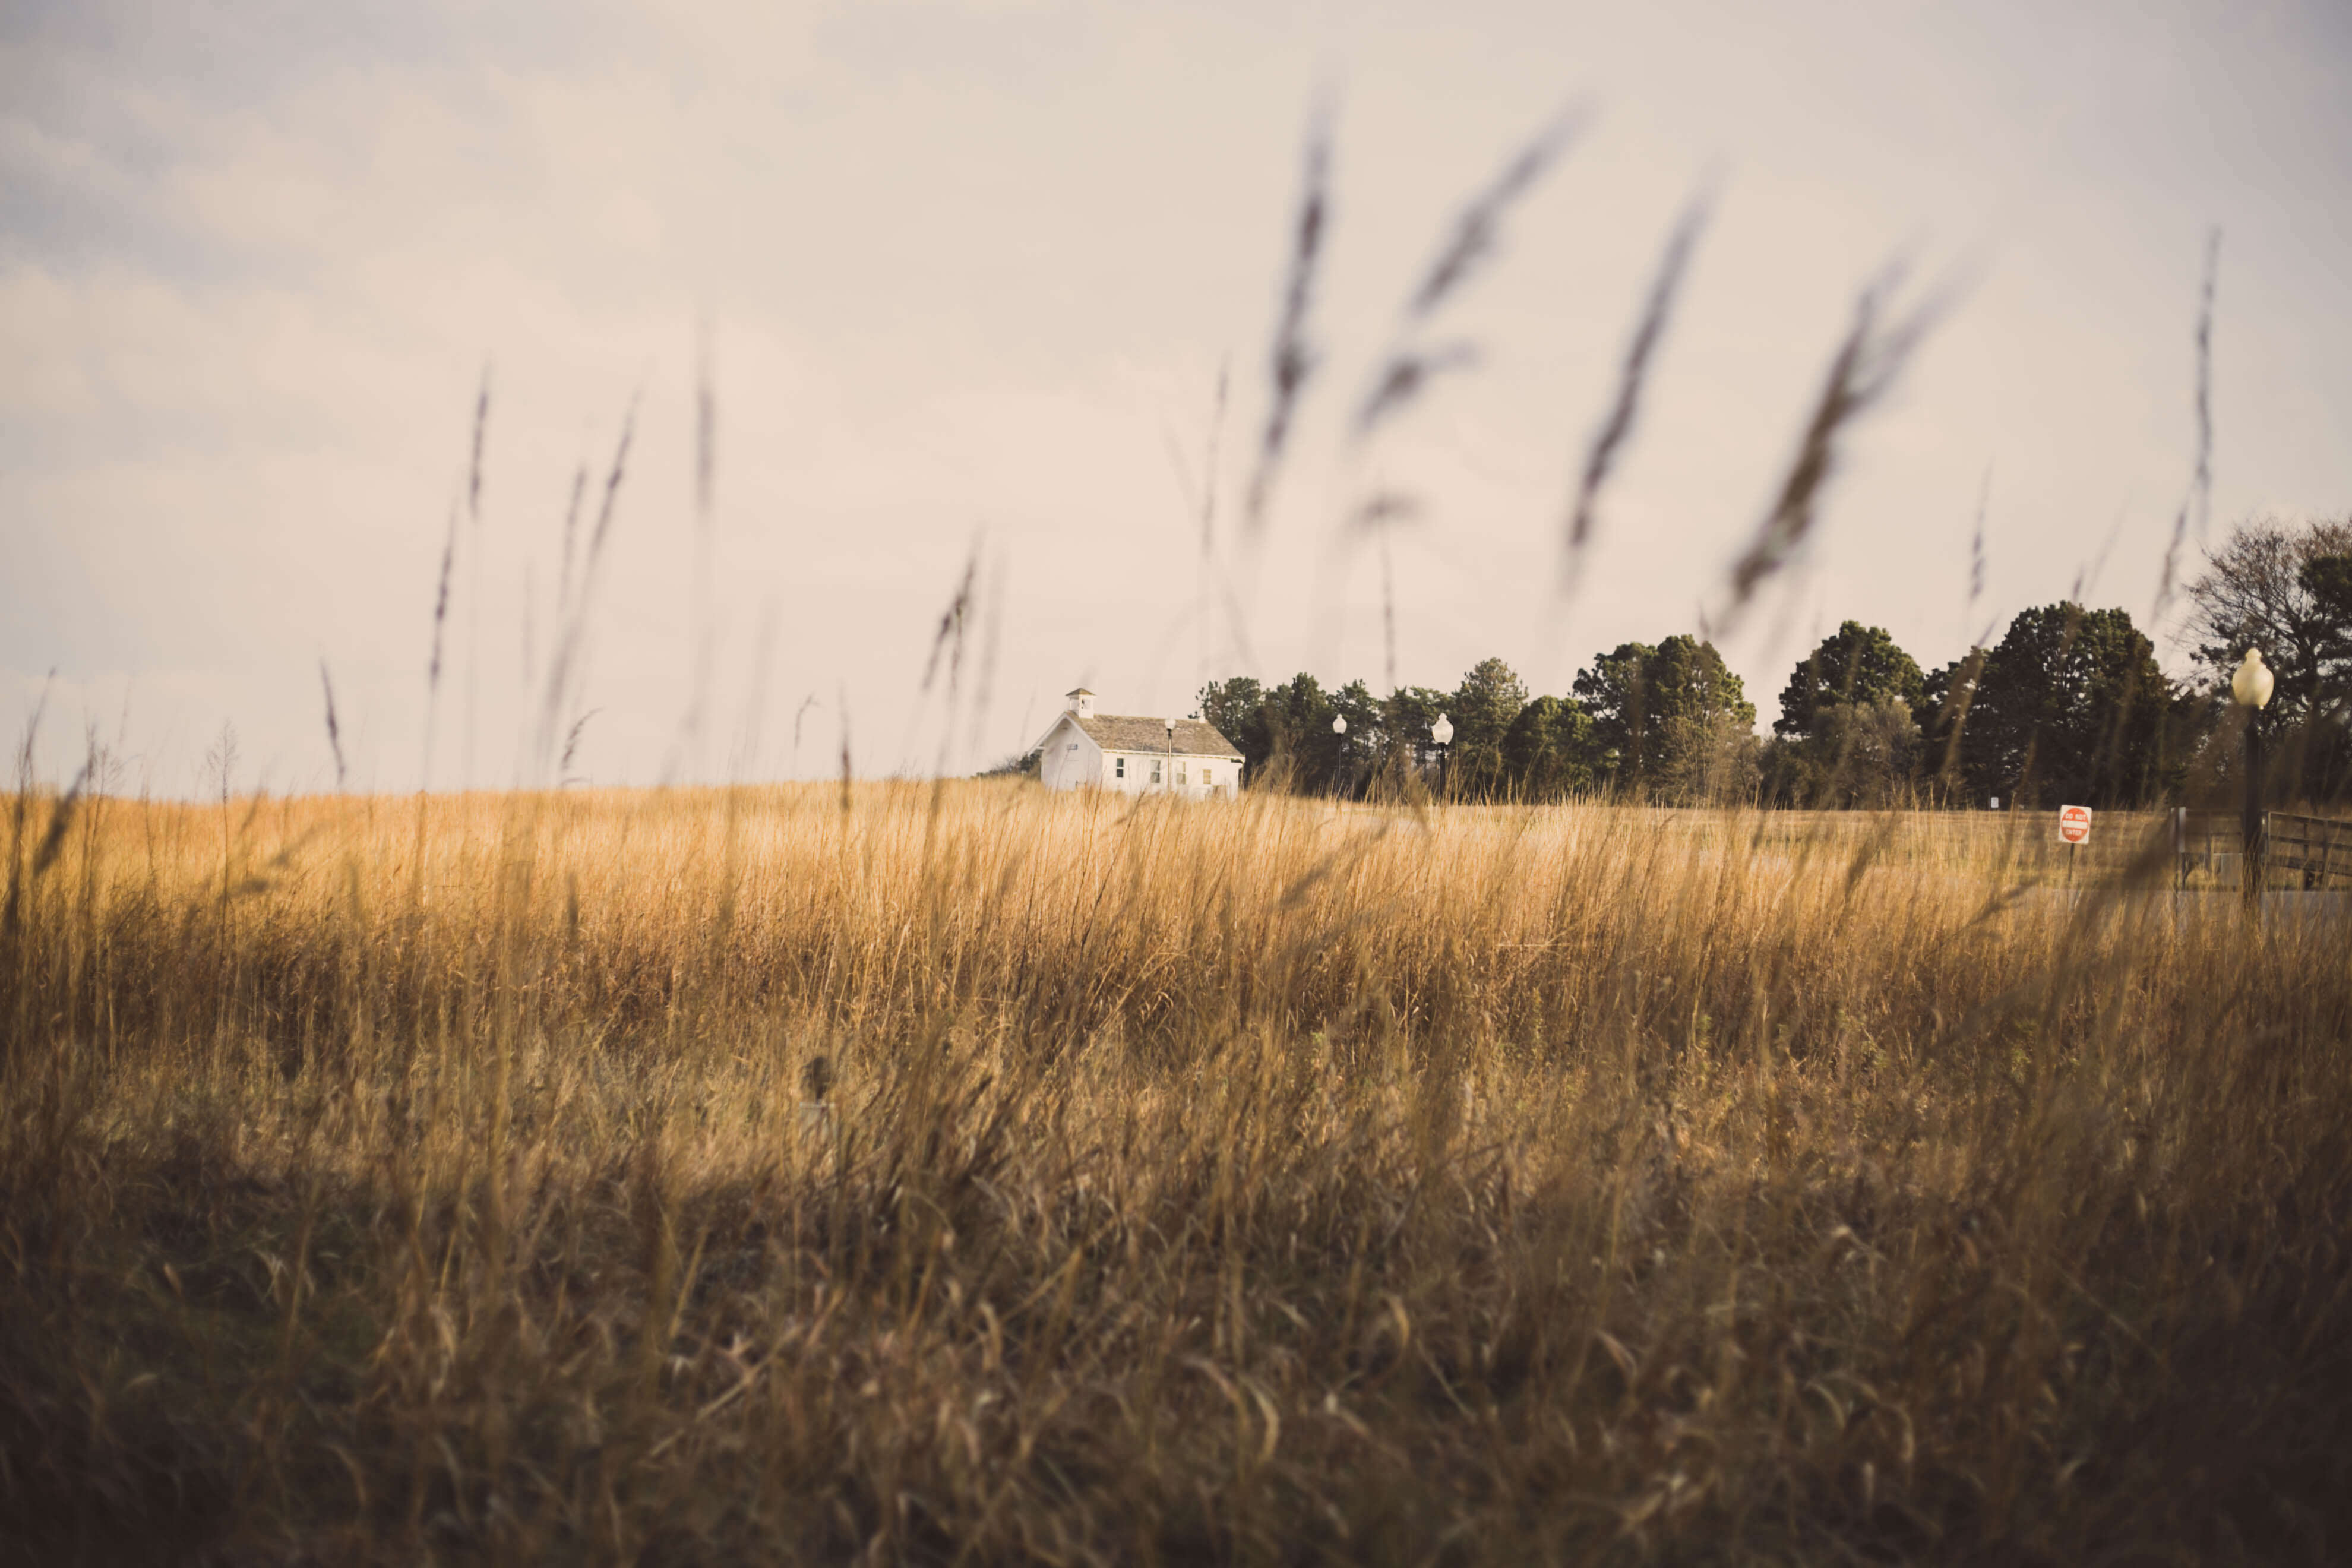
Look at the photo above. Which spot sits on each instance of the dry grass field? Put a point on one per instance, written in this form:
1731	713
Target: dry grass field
966	1175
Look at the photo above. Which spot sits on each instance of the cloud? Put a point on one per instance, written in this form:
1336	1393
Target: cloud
968	265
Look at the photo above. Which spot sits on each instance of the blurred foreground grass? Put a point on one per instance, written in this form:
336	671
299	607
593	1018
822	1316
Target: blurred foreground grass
459	1182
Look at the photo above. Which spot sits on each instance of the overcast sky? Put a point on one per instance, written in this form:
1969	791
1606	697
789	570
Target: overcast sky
969	272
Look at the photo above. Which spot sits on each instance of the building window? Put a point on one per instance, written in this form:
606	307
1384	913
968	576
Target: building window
1119	767
1204	773
1155	773
1180	772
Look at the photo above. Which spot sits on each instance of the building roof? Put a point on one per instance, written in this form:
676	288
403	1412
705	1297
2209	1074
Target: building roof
1131	732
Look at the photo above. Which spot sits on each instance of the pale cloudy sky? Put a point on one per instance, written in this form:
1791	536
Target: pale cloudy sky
969	272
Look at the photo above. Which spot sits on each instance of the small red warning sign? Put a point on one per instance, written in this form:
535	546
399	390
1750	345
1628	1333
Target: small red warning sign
2074	824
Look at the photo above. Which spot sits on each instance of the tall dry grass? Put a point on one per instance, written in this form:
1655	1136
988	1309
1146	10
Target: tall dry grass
1267	1181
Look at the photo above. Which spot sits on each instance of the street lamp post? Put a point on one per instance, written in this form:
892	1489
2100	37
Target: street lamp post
2250	688
1340	728
1168	780
1443	734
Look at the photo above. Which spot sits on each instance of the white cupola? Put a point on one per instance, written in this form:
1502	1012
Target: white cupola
1082	701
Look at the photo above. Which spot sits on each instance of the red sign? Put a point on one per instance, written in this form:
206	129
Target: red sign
2074	824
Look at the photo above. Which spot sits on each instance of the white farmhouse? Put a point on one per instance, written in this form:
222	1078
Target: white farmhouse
1135	755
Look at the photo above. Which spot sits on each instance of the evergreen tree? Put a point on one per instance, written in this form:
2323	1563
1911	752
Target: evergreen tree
1614	691
1547	750
1847	734
1305	752
2320	760
1236	708
1854	664
1670	722
2070	707
1409	711
1943	721
1361	748
1857	755
1483	709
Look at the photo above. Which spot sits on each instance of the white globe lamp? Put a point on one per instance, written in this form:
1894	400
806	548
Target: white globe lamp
2250	688
2251	685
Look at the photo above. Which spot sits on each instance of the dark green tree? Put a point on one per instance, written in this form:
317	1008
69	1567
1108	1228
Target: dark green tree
1669	722
2070	707
1306	753
1853	664
1366	742
1943	720
1409	712
2320	763
1237	707
1847	734
1284	733
1483	709
1547	750
1857	755
1614	689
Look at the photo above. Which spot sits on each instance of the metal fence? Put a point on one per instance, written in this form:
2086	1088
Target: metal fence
2299	851
2189	848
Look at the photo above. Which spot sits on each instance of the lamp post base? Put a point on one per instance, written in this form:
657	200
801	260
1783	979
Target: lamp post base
2252	826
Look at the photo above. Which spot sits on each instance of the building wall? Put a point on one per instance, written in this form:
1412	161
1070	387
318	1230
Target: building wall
1195	778
1071	760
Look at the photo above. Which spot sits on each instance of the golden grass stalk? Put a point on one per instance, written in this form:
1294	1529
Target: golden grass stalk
1263	1179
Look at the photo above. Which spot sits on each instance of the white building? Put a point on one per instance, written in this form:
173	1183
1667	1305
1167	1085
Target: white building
1135	755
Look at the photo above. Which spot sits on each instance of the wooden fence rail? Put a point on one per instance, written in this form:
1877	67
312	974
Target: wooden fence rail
2317	847
2306	851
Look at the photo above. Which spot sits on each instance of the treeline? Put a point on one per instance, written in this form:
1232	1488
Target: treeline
2068	705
